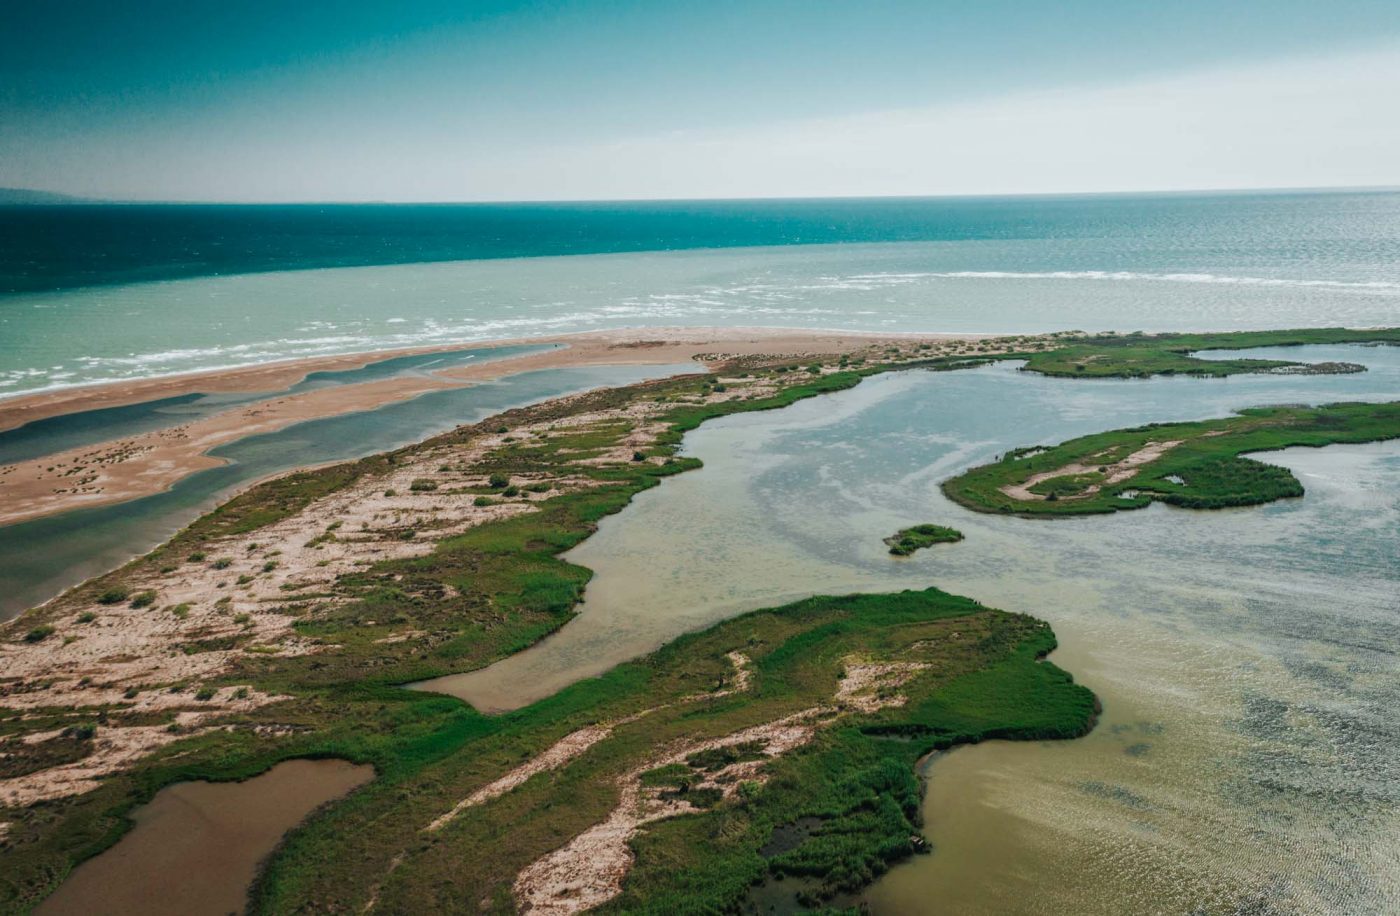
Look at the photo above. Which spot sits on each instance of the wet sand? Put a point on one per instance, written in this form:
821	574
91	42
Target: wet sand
196	847
640	345
134	466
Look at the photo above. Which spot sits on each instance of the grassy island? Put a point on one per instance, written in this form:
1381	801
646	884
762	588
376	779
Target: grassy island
907	540
1144	355
1193	465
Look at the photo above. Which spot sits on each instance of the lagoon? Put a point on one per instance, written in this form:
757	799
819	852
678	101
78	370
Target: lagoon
1246	658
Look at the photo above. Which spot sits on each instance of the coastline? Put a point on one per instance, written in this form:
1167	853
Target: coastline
582	348
126	468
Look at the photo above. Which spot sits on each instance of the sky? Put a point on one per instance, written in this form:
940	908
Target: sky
254	100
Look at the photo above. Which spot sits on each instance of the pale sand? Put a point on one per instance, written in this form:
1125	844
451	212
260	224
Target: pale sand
1115	473
588	871
136	466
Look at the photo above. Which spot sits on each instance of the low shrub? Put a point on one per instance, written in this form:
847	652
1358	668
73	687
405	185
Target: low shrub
39	633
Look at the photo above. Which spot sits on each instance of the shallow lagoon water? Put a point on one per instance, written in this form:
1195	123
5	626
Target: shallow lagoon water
1246	659
44	556
85	427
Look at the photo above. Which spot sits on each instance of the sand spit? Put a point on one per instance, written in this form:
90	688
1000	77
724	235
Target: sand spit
1114	473
125	469
588	871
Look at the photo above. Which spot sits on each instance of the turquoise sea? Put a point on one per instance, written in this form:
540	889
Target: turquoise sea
228	286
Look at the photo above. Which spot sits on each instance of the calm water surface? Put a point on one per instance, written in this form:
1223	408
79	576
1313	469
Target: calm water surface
86	427
1249	754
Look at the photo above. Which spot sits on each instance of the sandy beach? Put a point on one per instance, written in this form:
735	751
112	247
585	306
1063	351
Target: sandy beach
127	468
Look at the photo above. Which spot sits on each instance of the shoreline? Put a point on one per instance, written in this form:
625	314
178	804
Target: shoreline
125	468
25	407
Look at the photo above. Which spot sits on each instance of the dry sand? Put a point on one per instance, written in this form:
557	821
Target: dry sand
1114	473
136	466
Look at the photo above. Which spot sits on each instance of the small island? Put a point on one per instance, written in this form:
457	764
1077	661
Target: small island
1145	355
1195	465
907	540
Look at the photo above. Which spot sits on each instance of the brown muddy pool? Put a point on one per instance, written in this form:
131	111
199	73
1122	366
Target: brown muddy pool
196	846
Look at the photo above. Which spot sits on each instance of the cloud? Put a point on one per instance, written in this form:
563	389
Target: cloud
1312	122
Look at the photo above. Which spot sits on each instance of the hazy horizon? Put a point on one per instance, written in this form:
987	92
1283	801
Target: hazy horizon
586	100
59	197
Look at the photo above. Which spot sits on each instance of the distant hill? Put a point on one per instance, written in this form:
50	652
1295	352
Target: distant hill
31	196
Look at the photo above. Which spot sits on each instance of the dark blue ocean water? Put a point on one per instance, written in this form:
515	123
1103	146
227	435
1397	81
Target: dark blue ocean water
55	247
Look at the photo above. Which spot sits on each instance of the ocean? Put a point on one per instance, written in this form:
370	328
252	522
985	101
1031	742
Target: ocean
109	293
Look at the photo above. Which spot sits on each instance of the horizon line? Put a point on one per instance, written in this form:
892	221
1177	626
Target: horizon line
62	198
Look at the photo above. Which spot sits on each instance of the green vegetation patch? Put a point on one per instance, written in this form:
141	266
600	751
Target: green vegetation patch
907	540
1068	485
19	758
1143	355
1130	468
982	675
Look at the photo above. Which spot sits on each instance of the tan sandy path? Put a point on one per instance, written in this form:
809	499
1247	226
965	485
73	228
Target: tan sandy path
1115	473
589	870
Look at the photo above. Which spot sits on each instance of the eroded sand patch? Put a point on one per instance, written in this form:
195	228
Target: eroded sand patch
1114	473
574	744
588	871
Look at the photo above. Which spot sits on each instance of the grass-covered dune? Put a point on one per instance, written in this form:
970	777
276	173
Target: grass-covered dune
948	671
1194	465
1144	355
